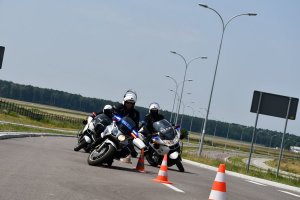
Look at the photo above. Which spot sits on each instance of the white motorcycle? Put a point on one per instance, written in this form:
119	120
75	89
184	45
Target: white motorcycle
91	131
115	141
166	141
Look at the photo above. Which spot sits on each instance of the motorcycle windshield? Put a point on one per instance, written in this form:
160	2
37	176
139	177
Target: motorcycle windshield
165	129
126	125
101	121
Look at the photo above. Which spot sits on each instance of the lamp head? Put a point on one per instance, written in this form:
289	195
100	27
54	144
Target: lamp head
203	5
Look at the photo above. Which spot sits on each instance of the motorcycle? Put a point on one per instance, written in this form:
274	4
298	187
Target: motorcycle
115	140
91	131
166	141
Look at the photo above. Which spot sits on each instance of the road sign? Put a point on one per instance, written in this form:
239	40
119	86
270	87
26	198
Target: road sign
274	105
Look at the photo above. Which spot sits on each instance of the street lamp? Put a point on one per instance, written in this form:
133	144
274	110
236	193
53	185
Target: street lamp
227	136
215	130
270	144
183	111
213	83
183	106
243	128
186	67
191	123
201	115
174	95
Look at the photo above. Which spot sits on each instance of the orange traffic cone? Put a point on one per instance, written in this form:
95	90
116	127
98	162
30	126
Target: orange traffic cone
140	165
162	176
218	191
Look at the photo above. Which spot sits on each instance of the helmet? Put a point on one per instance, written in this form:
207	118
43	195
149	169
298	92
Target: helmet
130	96
154	107
107	109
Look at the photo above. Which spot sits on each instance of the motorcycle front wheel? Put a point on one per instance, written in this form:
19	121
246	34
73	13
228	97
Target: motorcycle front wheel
152	158
80	145
101	154
179	165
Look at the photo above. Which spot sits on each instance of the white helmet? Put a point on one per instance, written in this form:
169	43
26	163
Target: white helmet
107	107
154	106
130	96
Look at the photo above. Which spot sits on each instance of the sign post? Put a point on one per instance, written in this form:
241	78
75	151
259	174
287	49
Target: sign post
276	106
1	55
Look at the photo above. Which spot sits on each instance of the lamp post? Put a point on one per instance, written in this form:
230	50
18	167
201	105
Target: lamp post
270	144
191	122
243	128
174	95
227	136
215	130
213	83
186	67
201	115
183	110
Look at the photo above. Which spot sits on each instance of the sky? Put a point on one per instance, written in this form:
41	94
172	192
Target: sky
102	48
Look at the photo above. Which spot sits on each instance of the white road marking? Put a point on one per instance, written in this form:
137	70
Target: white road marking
289	193
173	187
255	182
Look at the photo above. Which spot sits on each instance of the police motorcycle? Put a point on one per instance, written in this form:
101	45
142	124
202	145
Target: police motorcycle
94	126
165	141
115	140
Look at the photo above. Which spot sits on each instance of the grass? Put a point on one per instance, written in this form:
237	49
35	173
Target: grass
48	109
288	165
15	118
236	165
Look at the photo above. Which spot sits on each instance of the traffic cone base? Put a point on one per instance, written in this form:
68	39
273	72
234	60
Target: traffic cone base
140	165
218	191
162	176
215	195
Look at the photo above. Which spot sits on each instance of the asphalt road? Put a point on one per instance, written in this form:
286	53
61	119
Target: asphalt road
47	168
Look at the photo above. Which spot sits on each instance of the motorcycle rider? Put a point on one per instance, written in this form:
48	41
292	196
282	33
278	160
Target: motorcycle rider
150	118
127	109
107	110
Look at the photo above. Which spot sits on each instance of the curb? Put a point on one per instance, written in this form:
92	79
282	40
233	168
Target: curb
8	135
259	180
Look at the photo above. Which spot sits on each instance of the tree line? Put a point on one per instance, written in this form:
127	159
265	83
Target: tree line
67	100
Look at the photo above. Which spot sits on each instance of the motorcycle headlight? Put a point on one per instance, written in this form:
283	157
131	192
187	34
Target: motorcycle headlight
172	142
176	139
121	138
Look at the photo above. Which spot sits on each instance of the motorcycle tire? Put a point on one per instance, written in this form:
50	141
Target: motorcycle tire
80	145
179	165
150	159
87	149
108	151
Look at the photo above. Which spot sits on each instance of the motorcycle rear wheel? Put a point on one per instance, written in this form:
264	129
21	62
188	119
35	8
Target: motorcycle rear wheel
104	153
